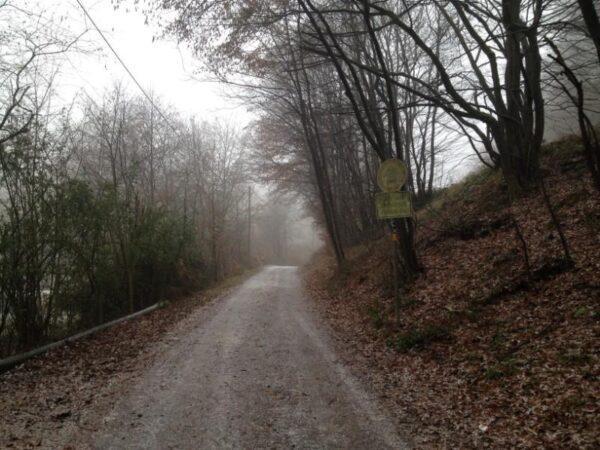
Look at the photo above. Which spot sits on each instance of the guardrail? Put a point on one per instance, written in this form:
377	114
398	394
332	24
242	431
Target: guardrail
12	361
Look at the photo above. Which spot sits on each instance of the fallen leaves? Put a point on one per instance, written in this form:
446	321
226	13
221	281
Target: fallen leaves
46	400
520	366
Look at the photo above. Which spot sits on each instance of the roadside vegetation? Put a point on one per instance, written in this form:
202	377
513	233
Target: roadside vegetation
109	214
112	203
496	347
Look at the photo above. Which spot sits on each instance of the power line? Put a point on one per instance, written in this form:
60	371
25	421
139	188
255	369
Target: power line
129	72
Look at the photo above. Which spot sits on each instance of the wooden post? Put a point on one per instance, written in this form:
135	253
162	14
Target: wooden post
396	254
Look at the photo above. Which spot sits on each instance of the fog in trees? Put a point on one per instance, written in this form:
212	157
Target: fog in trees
114	203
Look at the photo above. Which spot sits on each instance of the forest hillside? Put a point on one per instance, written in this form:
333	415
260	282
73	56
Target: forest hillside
498	340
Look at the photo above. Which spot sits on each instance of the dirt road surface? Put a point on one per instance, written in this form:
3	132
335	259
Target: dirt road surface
257	370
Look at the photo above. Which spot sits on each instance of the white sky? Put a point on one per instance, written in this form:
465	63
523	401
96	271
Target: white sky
160	66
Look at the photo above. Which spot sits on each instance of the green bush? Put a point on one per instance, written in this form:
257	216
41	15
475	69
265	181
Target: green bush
376	317
85	257
504	368
419	339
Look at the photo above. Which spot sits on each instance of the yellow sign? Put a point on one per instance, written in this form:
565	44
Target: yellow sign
391	175
393	205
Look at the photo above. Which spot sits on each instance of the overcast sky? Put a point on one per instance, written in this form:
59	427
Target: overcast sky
160	66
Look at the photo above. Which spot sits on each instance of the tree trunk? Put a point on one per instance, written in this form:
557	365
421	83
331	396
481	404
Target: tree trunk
590	16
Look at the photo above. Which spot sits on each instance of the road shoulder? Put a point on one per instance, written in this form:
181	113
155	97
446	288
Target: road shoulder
64	392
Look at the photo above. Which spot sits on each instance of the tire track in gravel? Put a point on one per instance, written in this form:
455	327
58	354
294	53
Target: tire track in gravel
256	370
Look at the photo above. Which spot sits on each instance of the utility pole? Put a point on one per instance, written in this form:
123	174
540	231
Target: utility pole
284	241
249	237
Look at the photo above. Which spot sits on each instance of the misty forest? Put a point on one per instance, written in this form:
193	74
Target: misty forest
354	224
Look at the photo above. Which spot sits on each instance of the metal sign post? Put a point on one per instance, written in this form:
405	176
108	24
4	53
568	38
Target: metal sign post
393	204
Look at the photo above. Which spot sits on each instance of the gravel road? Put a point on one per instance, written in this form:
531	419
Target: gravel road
256	370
